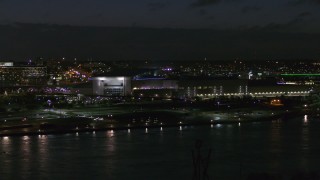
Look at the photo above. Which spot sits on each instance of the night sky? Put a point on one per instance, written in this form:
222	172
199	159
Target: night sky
160	30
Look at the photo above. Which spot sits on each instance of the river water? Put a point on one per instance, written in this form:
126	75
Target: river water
280	146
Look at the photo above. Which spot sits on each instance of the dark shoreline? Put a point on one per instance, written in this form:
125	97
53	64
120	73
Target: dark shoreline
284	115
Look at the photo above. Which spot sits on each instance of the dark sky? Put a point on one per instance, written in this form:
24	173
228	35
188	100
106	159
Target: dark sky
154	29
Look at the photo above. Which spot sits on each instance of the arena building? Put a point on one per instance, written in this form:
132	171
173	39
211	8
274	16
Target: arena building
111	85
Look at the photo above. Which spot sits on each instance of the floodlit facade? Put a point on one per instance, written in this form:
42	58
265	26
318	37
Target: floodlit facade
111	86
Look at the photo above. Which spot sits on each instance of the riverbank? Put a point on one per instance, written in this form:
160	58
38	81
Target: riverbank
81	124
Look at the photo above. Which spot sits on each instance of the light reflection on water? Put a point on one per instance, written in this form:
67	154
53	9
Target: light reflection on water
26	153
5	144
164	153
6	149
305	119
110	133
43	151
110	143
275	133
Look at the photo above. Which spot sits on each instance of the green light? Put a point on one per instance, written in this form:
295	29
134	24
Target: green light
300	74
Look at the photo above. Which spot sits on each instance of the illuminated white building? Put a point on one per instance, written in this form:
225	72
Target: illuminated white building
111	85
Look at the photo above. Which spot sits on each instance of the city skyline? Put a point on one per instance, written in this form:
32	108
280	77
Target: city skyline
150	89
